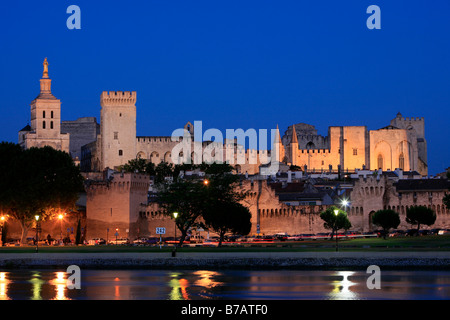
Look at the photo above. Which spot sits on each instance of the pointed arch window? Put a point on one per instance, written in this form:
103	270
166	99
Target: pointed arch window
401	162
380	161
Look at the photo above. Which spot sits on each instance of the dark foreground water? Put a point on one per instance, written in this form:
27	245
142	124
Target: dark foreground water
229	284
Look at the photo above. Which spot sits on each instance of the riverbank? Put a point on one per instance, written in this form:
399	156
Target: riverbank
229	260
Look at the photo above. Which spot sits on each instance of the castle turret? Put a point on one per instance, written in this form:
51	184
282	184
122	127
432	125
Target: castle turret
278	147
294	147
118	128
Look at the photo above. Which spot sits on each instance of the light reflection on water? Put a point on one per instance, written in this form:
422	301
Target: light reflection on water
224	284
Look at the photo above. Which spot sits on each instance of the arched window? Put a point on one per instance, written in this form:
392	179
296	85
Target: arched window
380	162
310	145
51	124
51	114
43	114
401	162
43	124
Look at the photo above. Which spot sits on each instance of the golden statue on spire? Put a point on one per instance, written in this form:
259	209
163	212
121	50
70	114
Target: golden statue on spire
45	74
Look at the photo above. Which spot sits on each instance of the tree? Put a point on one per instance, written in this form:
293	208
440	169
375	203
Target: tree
185	197
37	181
446	199
139	165
224	212
386	219
335	222
420	215
78	234
229	217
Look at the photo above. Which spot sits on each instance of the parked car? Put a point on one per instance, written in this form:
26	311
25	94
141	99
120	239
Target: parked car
397	233
444	232
411	232
146	240
308	236
120	241
323	236
424	232
295	237
434	231
370	235
281	236
196	239
98	241
210	243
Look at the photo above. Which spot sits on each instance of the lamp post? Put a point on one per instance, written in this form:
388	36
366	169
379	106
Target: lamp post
37	232
60	217
175	215
174	251
2	222
336	212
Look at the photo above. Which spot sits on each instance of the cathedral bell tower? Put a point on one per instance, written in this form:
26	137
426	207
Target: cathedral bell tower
45	125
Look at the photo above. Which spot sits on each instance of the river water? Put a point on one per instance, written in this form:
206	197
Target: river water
222	285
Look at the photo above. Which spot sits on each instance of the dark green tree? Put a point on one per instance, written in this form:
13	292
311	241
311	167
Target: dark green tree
139	165
228	217
78	233
420	215
37	181
224	212
185	197
162	171
335	222
386	219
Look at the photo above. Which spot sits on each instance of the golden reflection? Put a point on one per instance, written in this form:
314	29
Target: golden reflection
341	290
37	283
178	286
4	282
207	279
117	289
60	283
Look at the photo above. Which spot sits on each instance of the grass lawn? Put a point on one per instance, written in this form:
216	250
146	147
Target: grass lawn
424	243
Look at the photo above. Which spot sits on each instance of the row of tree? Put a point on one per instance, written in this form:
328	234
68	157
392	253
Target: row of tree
385	219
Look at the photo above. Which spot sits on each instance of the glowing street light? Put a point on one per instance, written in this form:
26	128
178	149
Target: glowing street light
37	232
60	217
175	215
336	212
206	182
2	221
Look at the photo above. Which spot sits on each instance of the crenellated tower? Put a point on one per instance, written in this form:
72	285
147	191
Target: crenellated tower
117	127
416	125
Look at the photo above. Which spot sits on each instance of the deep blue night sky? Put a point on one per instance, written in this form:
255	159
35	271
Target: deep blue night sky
234	64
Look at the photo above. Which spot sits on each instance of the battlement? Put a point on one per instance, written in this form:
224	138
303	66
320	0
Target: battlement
418	119
118	98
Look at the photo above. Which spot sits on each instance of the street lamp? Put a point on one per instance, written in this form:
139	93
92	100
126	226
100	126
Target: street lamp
60	217
336	212
175	215
205	182
37	232
2	222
